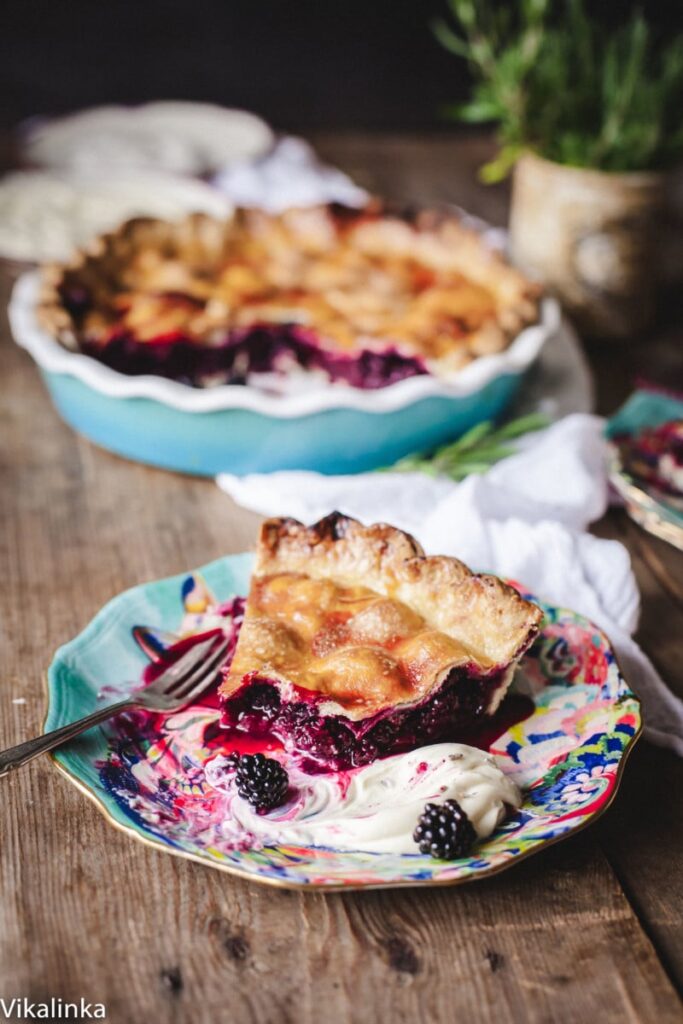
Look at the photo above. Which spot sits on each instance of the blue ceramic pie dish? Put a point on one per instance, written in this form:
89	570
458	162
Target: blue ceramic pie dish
243	429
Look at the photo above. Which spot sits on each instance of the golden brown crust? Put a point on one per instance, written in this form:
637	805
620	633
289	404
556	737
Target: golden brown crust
360	615
369	279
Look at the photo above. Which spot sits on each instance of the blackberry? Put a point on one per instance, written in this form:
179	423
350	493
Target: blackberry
298	716
364	752
264	698
261	781
444	831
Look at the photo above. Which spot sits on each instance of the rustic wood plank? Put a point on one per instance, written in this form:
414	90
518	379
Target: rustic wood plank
644	829
658	568
86	911
642	833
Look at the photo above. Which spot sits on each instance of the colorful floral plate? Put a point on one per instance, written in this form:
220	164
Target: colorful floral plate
563	735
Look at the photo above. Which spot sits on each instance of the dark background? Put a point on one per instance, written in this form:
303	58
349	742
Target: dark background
302	64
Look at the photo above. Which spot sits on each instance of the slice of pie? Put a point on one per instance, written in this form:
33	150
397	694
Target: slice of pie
361	297
355	644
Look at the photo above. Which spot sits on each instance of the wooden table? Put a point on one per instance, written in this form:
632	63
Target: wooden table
589	930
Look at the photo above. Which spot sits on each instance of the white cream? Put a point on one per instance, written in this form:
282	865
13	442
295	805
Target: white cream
375	808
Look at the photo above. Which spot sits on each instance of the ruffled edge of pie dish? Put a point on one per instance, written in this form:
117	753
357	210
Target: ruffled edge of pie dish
54	358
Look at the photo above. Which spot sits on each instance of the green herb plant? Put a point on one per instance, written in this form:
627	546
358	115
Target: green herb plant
474	452
563	86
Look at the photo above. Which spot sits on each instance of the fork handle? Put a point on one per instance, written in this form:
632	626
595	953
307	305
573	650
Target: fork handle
15	757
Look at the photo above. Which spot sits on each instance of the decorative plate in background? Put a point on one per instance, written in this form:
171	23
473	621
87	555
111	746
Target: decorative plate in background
562	735
645	505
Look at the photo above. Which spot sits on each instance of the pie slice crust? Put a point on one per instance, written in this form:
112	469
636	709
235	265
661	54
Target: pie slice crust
356	644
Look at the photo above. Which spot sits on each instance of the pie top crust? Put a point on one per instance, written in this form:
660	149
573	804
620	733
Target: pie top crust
359	615
425	286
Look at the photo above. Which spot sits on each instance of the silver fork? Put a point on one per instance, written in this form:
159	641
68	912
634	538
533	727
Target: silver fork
175	688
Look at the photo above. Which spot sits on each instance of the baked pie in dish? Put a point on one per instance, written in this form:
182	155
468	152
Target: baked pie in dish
362	297
355	645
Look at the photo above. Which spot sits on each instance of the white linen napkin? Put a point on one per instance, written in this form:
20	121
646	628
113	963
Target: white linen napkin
526	518
289	175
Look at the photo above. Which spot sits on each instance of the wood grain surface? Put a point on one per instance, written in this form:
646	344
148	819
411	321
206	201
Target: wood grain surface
589	930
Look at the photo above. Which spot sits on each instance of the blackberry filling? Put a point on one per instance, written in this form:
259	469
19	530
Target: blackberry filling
355	645
258	350
333	742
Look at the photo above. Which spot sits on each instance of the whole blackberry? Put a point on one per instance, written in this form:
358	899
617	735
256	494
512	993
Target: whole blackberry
444	831
261	781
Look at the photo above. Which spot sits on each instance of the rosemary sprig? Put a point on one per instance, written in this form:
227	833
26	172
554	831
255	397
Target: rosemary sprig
474	452
561	84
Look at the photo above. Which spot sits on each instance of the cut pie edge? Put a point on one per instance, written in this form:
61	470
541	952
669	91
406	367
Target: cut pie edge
472	625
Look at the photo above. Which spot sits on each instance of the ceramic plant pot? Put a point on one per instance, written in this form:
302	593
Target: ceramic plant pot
591	237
